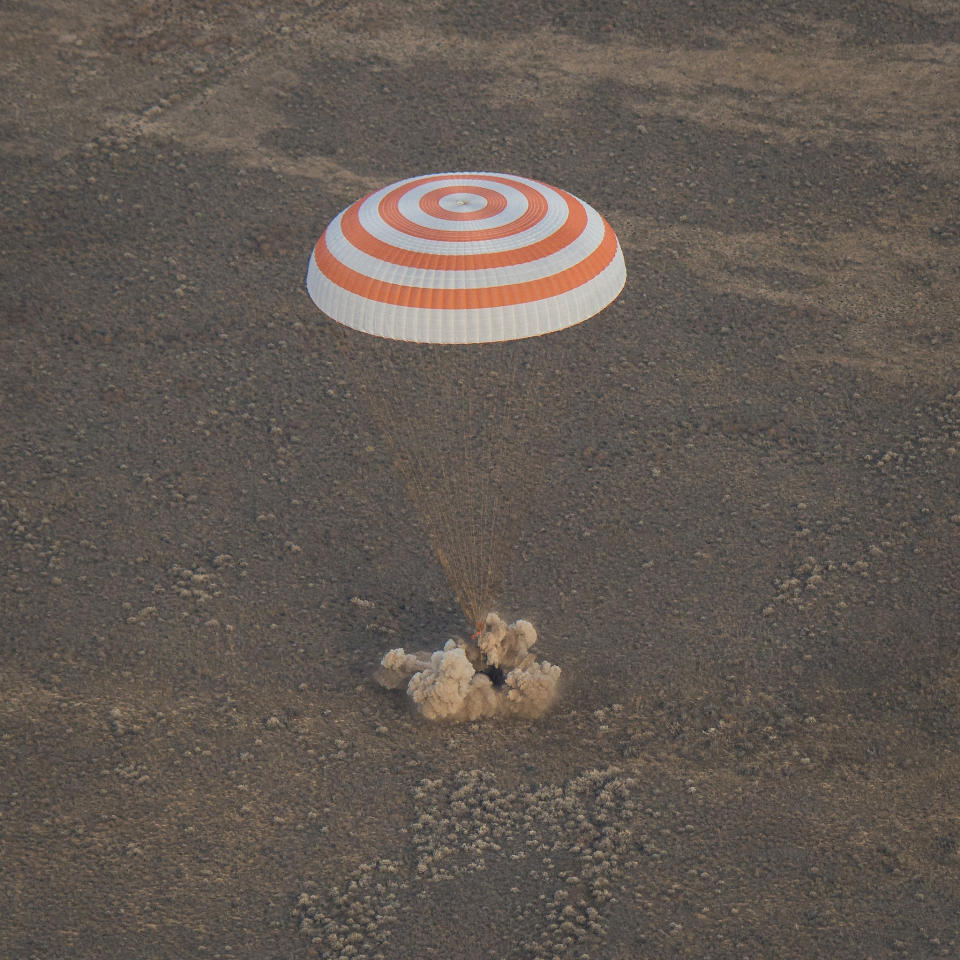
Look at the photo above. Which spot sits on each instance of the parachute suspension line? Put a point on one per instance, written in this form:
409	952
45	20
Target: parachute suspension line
480	473
475	478
471	467
366	355
488	515
493	497
437	505
507	480
484	483
461	425
438	493
469	470
459	574
448	501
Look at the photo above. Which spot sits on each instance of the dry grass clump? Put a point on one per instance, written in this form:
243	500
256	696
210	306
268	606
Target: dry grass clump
563	850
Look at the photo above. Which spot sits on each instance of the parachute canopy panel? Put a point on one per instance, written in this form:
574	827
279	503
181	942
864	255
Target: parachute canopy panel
465	258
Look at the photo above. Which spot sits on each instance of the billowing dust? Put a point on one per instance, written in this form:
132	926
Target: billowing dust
495	676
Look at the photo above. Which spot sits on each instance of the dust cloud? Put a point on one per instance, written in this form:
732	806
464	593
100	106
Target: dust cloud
496	676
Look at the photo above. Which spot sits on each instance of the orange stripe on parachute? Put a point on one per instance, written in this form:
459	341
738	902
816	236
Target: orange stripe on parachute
389	211
434	298
358	236
430	203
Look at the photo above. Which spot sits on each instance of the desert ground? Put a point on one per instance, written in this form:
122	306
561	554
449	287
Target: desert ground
745	552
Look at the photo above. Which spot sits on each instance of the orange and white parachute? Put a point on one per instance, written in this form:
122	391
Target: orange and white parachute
460	258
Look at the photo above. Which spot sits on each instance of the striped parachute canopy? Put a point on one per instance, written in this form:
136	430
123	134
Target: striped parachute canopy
418	273
458	258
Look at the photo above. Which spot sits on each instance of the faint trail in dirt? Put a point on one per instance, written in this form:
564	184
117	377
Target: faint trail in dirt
232	117
766	83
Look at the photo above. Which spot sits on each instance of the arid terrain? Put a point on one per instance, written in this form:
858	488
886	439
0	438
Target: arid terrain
745	553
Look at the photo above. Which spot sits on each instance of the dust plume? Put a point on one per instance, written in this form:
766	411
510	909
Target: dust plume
496	676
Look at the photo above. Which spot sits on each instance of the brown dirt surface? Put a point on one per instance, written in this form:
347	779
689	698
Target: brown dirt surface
745	555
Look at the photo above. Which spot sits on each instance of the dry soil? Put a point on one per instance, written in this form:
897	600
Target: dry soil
746	555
